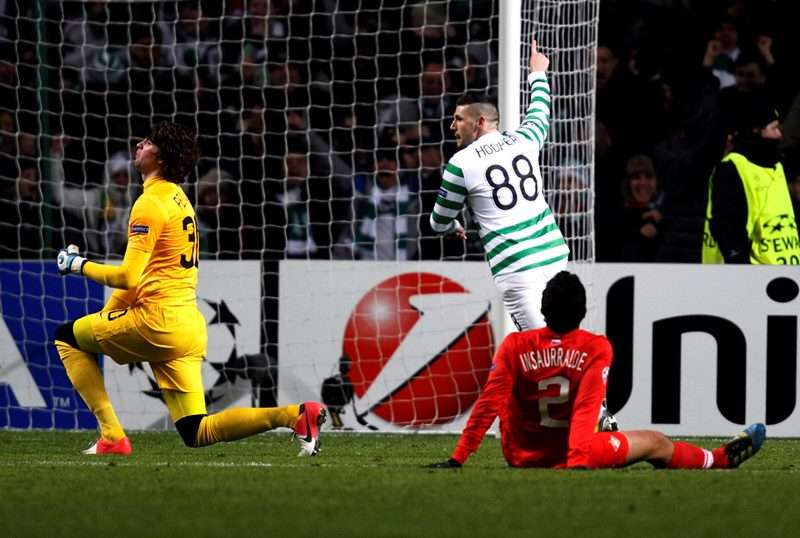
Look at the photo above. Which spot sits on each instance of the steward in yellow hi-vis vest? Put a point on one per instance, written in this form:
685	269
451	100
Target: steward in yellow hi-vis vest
152	314
749	216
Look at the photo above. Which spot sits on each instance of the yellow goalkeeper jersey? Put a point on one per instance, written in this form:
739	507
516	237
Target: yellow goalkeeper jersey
163	224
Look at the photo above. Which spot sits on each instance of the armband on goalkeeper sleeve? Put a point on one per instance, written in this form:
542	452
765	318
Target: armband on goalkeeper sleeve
69	261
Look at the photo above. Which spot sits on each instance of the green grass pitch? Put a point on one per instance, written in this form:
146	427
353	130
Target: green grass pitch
373	485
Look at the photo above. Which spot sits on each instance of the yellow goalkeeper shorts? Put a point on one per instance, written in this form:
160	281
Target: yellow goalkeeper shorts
172	339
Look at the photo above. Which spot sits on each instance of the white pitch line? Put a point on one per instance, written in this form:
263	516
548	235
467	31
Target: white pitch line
117	463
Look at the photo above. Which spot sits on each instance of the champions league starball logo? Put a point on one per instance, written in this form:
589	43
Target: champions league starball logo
222	359
779	223
416	350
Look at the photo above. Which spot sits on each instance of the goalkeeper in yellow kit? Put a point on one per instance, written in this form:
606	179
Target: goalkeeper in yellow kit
152	315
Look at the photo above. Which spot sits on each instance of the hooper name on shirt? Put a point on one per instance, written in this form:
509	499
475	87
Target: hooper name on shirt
493	147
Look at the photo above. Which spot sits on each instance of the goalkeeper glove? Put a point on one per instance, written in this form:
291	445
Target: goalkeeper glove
449	464
69	261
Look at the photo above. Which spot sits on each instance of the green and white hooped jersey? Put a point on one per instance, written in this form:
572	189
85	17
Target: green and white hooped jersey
498	175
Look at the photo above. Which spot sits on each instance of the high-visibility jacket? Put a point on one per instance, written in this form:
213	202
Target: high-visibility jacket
771	225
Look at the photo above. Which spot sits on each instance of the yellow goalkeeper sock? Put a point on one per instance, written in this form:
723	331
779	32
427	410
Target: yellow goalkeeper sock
87	379
241	422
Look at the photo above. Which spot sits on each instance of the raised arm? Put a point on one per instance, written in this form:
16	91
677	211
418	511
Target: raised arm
536	122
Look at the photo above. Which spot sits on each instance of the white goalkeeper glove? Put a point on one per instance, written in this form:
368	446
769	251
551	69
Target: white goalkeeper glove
69	261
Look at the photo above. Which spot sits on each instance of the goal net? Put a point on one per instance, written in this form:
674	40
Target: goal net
323	128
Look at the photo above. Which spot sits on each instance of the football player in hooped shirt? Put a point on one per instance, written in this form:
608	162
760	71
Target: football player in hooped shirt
547	386
496	173
152	314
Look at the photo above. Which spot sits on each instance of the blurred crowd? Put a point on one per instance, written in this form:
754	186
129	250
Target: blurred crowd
674	79
323	124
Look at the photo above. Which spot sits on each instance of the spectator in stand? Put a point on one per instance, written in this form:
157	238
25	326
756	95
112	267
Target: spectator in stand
27	146
639	226
248	147
330	189
722	51
245	86
194	44
77	192
755	71
569	201
685	160
477	74
435	99
20	210
294	201
623	99
749	217
8	130
430	243
409	169
154	86
429	21
119	193
384	213
26	98
218	217
85	32
425	105
750	73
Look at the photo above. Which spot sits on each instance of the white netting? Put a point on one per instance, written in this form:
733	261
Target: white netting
323	127
566	30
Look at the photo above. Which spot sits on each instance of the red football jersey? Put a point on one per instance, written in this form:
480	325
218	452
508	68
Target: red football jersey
547	390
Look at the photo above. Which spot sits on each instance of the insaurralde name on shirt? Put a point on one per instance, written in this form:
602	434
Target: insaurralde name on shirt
553	357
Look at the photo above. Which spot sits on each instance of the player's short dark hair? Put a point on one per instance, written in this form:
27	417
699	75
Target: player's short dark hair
177	149
480	105
564	302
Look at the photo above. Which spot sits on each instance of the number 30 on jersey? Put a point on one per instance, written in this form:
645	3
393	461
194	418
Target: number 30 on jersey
190	225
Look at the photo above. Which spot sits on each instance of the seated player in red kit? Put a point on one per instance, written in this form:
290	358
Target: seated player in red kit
547	386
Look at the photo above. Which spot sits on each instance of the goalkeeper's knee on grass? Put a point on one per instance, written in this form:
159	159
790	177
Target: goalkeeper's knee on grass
188	427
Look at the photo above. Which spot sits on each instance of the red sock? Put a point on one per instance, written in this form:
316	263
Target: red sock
720	458
689	456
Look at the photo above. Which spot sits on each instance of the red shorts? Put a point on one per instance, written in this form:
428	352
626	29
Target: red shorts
609	449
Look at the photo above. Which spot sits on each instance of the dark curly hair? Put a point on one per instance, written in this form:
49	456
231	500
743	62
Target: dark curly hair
177	147
564	302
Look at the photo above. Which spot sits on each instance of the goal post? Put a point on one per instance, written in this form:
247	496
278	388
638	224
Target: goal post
323	129
509	80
